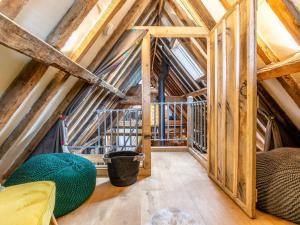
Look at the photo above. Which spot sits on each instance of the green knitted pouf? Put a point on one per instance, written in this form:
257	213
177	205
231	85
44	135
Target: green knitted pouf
74	176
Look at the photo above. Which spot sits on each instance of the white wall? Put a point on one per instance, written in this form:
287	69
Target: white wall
39	18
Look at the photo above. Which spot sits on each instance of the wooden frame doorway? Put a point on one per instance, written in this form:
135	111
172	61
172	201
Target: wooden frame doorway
157	32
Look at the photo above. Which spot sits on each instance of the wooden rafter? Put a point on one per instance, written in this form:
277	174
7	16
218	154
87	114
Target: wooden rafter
40	133
70	22
289	16
129	20
175	32
193	46
137	100
15	37
11	8
97	29
288	66
226	4
20	88
159	15
287	81
199	11
202	91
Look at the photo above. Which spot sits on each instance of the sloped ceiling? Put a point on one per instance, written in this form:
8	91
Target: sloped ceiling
41	17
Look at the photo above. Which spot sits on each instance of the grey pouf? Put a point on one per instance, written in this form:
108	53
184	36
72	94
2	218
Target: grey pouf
278	183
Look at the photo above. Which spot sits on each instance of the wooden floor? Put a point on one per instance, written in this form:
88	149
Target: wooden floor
178	181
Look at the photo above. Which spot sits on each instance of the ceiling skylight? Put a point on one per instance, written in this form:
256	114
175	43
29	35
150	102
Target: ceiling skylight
187	61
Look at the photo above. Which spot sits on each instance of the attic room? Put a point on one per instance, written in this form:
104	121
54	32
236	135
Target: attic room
149	112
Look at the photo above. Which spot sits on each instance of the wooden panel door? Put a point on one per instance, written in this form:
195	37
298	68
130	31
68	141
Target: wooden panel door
232	104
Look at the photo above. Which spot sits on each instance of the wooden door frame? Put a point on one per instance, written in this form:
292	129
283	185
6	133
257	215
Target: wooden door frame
157	32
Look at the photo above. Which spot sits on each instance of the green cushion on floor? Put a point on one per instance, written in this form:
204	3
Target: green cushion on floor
75	178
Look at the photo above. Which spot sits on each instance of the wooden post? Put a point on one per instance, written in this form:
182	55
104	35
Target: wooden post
146	102
189	121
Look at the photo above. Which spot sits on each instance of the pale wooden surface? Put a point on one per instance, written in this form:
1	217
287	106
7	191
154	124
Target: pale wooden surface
177	180
232	104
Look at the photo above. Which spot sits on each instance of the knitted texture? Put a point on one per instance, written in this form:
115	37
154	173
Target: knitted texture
74	176
278	183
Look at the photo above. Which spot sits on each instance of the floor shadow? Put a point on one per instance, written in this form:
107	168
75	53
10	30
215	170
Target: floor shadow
105	191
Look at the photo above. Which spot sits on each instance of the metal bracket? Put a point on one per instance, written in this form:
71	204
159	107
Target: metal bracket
139	157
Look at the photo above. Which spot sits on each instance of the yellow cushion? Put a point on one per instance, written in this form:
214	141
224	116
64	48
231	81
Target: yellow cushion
27	204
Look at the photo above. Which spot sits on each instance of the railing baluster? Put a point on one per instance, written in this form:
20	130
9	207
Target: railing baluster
130	141
154	131
181	120
105	143
111	130
175	125
168	117
117	138
136	126
201	119
99	131
194	122
205	125
124	124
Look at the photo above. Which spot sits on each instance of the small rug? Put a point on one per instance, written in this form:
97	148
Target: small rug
172	216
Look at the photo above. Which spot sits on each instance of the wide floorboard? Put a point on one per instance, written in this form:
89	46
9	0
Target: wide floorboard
177	181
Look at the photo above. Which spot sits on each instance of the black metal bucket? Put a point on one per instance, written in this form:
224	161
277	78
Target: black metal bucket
123	167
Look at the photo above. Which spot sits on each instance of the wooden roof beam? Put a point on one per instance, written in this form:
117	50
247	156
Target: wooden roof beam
268	56
137	100
11	8
175	32
128	21
130	18
31	74
287	81
70	21
288	15
288	66
197	93
199	11
15	37
195	47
